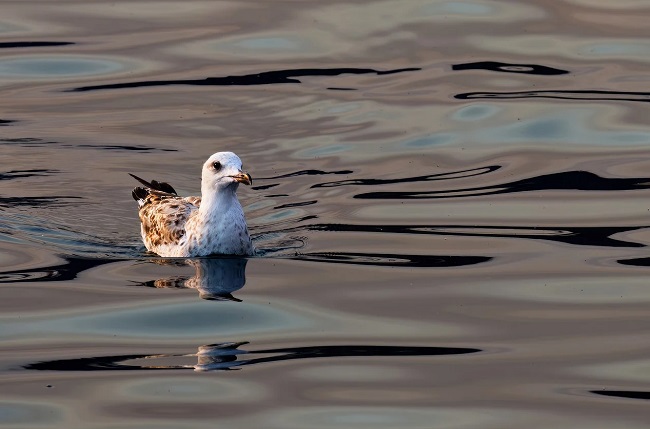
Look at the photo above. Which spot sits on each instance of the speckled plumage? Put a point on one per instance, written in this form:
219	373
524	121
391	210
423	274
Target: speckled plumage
214	223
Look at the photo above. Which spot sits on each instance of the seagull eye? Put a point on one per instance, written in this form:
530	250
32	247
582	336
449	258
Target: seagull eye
216	165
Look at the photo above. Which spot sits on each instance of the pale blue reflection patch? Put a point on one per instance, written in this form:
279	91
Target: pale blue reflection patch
278	215
279	43
182	320
569	127
549	129
463	8
343	108
262	45
23	413
362	417
475	112
323	151
208	390
484	10
60	66
627	48
5	27
428	141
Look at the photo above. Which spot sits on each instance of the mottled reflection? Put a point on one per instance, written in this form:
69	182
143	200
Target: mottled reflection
215	278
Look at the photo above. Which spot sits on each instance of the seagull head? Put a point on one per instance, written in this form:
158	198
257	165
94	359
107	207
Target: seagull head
223	170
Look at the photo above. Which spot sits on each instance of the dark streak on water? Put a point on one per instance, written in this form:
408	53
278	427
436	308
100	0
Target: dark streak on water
262	187
587	95
628	394
6	122
17	174
227	355
124	147
567	180
68	270
301	204
32	44
510	68
36	142
393	259
54	200
428	178
264	78
306	173
635	262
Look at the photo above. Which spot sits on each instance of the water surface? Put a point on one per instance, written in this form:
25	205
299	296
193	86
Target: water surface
450	203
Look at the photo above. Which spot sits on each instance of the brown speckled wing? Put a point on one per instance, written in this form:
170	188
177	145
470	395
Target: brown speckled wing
163	218
195	201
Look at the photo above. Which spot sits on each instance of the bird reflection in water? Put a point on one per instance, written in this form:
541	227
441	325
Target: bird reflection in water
228	356
215	278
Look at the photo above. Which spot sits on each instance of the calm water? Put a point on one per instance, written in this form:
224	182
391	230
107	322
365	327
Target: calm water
451	201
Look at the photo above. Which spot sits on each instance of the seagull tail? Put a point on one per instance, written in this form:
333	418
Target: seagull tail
139	194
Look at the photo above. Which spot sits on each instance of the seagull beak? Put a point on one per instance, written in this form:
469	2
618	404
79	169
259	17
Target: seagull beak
244	178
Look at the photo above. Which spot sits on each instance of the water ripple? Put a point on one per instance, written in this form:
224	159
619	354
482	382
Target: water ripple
586	95
263	78
510	68
393	259
566	180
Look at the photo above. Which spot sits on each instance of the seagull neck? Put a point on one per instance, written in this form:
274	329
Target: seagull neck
213	202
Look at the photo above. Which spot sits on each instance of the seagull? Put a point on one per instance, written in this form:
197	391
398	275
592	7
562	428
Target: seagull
214	223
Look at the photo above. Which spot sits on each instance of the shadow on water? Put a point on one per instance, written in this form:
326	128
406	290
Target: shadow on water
263	78
6	122
226	356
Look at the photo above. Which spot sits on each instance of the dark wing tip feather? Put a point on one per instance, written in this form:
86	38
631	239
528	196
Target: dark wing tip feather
139	193
156	185
164	186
